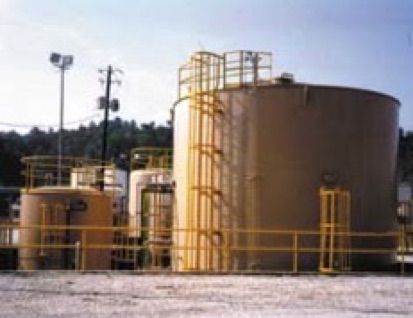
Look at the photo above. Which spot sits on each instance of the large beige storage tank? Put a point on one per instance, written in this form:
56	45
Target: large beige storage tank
270	149
61	206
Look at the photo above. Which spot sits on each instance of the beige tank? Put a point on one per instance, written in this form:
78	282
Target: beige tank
42	207
274	146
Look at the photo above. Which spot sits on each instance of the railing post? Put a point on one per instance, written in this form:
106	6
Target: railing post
31	178
77	255
402	239
83	249
295	252
43	229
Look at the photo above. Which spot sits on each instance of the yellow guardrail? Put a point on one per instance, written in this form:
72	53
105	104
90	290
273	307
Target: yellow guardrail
124	247
77	172
151	158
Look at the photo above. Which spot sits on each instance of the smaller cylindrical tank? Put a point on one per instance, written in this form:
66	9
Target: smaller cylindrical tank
139	182
150	212
49	219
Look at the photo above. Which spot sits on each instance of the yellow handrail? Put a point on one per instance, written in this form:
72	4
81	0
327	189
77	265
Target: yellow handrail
42	171
296	246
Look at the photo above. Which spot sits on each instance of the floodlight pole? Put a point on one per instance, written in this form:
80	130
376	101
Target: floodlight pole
63	63
62	105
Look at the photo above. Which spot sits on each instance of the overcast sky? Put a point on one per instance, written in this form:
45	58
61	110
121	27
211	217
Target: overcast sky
356	43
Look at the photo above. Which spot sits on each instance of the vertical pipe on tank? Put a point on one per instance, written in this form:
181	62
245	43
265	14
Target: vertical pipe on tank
332	235
42	229
206	151
212	191
66	255
188	231
197	143
77	257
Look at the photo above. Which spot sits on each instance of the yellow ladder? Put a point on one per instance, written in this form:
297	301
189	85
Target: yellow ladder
52	215
206	245
203	160
335	243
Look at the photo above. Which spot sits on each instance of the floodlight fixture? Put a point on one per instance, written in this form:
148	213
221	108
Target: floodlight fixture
55	58
63	62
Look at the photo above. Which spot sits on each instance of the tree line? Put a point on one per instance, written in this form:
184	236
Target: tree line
405	156
85	141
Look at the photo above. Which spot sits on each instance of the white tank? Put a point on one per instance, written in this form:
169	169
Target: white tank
139	181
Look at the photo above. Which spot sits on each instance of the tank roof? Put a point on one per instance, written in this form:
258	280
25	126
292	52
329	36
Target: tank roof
60	190
320	86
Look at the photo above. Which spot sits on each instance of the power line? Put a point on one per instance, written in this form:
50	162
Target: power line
74	122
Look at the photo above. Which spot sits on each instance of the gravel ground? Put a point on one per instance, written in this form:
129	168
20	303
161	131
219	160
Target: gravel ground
51	294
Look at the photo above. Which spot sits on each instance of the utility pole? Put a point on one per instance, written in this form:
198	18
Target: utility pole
105	121
106	103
